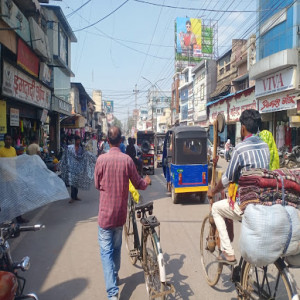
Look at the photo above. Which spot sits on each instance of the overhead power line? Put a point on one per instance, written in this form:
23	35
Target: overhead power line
193	8
105	17
77	9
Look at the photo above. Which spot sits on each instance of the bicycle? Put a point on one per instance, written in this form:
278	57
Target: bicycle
273	281
147	248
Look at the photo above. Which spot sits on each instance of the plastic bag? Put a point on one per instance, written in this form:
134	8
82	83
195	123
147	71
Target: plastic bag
26	184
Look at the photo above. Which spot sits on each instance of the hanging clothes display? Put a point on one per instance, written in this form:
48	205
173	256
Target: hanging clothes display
288	137
281	136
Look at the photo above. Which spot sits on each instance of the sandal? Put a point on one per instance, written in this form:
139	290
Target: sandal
71	201
222	259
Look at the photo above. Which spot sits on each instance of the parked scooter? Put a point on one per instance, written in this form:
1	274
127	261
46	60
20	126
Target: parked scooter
51	161
11	283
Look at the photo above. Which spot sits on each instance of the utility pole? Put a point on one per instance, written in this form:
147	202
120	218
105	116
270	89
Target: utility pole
135	92
135	112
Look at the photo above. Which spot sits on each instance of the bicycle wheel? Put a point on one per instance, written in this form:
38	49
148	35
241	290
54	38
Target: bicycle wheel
270	282
151	267
129	229
209	252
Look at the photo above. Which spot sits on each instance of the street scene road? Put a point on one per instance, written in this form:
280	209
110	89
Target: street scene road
65	259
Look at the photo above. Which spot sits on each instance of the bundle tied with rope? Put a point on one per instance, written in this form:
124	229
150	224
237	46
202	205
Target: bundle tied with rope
271	225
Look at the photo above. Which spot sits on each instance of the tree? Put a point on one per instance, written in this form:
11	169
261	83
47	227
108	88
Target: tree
117	122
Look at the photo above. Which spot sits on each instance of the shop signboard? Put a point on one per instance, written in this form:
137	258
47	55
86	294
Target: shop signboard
275	83
14	18
45	73
3	128
215	109
14	117
237	106
44	115
298	106
27	59
18	85
282	101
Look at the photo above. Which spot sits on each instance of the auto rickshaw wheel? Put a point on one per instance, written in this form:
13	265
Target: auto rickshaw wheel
175	197
202	196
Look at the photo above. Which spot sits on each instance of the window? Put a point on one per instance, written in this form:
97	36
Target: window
244	84
202	91
63	46
221	71
228	68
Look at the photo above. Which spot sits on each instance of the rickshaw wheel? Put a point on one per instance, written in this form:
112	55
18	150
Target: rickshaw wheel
175	197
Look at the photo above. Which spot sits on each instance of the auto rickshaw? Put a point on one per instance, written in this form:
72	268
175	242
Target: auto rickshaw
159	143
185	162
145	141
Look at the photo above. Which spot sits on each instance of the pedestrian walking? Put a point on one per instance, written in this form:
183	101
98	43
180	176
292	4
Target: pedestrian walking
112	174
34	148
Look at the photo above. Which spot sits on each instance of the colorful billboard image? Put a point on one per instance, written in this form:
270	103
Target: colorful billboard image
193	41
108	106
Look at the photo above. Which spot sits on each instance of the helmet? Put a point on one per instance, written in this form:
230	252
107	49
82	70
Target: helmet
8	285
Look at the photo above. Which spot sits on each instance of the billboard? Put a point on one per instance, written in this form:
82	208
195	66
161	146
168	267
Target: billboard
193	40
108	107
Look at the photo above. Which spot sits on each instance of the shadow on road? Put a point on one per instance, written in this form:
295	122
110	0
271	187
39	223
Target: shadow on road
175	262
129	287
67	290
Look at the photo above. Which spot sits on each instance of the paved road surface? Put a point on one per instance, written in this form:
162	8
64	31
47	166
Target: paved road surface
66	261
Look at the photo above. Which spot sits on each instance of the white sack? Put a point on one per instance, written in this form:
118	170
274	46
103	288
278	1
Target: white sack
264	233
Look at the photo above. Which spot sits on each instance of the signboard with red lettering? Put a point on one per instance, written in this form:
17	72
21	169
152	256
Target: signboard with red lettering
18	85
27	59
215	109
237	106
282	102
275	83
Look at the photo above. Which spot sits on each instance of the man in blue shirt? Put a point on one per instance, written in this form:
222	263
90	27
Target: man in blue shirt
122	145
251	153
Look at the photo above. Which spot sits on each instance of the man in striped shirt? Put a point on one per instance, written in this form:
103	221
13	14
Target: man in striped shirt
112	173
252	152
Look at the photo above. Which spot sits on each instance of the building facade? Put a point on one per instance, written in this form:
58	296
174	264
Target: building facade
276	71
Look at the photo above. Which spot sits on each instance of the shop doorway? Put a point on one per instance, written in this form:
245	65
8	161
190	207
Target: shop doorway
231	133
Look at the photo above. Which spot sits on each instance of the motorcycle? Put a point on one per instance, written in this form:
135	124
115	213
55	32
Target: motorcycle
289	160
11	283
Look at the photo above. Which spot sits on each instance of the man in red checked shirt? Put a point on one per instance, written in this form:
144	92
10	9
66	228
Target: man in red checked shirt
112	173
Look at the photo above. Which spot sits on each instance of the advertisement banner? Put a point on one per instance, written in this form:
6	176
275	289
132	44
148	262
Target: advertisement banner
192	41
275	83
14	117
27	59
108	107
281	102
18	85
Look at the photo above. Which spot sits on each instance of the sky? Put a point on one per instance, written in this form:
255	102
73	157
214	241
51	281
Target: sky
122	41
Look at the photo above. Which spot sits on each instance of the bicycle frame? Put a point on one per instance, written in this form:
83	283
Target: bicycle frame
149	223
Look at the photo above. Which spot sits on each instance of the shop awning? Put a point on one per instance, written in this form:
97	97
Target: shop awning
73	122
